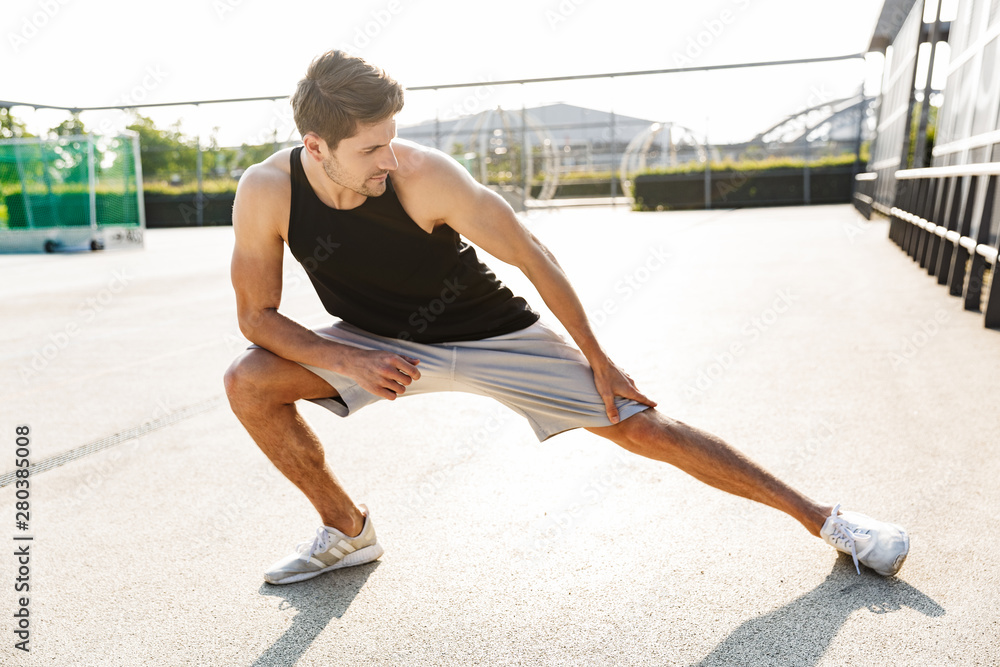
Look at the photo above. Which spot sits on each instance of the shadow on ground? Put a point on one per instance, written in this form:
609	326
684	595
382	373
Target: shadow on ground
318	600
800	632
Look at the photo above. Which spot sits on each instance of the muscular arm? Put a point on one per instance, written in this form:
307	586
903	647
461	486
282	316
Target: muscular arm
483	217
261	203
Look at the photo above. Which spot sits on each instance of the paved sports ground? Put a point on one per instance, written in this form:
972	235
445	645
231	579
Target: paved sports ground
800	334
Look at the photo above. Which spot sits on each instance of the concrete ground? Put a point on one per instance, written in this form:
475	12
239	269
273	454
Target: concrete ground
801	335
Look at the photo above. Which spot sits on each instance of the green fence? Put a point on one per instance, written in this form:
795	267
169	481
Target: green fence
72	183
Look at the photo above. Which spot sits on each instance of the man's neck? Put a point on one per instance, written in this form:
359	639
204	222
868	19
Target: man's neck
330	193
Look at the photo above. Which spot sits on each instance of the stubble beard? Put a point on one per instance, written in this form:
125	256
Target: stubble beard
336	174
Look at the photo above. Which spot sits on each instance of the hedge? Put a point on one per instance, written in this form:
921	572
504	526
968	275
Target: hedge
733	188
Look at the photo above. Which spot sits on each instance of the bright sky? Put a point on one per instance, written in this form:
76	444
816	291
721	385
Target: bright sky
102	52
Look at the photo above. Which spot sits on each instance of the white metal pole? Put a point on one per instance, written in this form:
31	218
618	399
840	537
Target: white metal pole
92	178
140	198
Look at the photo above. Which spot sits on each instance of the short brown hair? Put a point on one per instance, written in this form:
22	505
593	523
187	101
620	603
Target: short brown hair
339	92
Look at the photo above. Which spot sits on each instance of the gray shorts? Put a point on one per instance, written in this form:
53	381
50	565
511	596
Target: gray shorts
535	372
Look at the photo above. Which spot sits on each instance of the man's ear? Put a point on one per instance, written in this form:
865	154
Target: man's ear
315	146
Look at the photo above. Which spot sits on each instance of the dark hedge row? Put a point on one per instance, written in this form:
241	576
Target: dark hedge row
766	187
677	191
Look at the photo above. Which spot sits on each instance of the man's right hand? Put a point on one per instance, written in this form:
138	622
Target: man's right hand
385	374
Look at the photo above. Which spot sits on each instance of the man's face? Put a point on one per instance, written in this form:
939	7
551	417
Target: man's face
362	162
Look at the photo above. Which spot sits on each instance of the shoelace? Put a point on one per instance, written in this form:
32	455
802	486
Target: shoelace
841	532
318	544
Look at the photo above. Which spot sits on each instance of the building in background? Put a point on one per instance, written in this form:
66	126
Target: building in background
559	151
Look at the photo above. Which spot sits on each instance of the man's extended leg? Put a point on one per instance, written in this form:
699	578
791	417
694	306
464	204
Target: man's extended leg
879	545
711	460
262	390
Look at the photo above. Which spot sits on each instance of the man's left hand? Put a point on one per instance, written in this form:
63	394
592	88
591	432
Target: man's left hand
612	381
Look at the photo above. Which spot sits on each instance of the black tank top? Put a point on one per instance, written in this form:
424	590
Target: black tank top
374	267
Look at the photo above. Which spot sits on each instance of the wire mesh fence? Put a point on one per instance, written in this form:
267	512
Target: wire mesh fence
78	190
688	137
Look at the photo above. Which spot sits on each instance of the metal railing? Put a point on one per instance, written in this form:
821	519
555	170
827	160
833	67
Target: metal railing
945	219
864	193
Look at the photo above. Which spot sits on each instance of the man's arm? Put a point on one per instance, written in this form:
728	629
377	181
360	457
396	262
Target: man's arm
444	189
259	207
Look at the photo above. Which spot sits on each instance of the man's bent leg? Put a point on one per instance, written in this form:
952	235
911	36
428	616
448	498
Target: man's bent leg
262	389
710	459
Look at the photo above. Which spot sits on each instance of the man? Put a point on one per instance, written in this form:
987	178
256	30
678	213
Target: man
377	224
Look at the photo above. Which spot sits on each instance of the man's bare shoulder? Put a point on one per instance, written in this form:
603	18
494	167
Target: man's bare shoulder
263	195
428	181
419	163
271	176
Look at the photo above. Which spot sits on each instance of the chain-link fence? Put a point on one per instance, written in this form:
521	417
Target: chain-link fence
753	134
72	191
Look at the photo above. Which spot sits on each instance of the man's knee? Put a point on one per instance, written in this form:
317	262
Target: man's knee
630	431
259	379
641	426
246	377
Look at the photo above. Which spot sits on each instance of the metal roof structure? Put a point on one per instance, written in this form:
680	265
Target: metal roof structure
894	12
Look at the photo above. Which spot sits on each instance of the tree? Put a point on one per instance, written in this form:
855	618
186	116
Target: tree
68	128
71	157
250	155
11	127
164	153
932	118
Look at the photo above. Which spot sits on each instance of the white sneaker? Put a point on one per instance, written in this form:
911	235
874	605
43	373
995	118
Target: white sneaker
881	546
329	550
